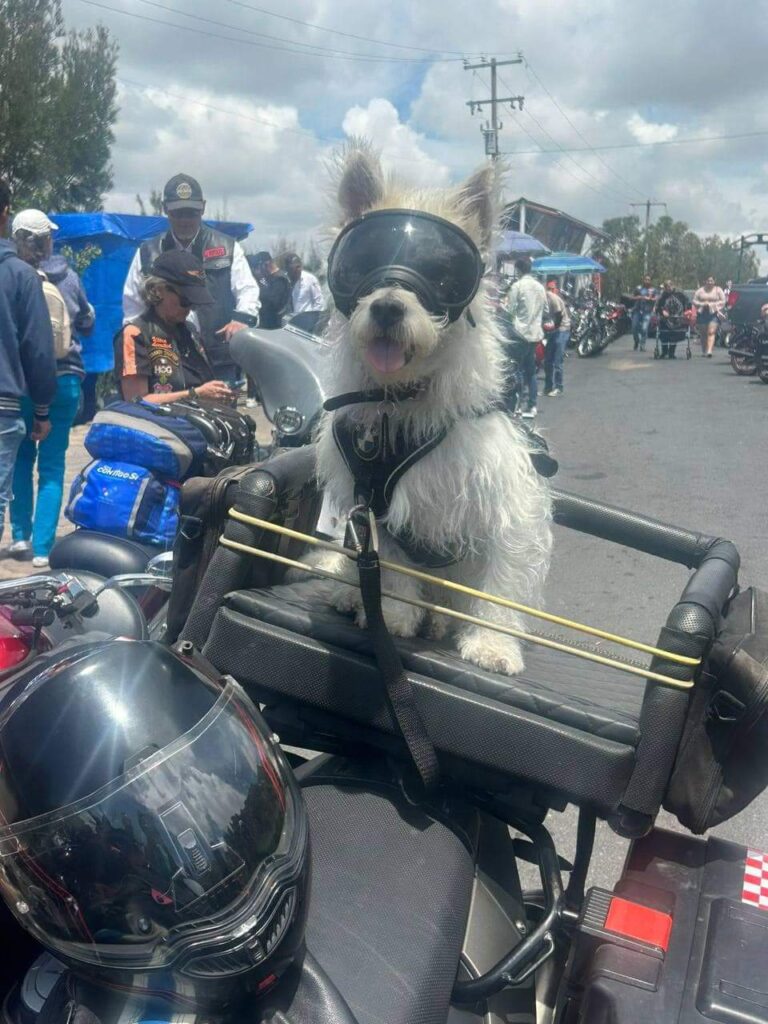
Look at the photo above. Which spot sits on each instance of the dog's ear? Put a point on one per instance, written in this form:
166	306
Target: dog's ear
361	180
478	197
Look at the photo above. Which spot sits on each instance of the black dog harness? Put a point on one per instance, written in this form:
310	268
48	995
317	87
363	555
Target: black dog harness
377	456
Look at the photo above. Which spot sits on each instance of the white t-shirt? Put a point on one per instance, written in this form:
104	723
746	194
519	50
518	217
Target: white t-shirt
307	295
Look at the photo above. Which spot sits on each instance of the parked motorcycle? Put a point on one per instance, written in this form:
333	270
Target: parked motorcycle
598	327
37	613
416	910
743	348
287	366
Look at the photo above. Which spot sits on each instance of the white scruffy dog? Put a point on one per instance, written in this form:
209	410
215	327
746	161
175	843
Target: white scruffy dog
477	491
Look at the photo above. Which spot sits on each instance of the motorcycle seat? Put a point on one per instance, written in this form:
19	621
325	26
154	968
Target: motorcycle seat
558	724
101	553
391	892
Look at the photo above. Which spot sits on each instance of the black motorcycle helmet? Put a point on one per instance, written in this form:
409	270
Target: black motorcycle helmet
153	838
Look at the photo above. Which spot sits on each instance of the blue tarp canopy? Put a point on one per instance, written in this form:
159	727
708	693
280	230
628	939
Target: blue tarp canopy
118	236
517	243
567	263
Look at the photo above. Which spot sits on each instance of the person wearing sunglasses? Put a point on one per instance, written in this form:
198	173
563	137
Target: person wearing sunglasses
158	355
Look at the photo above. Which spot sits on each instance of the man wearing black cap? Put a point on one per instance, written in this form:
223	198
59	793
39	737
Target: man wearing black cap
274	289
235	293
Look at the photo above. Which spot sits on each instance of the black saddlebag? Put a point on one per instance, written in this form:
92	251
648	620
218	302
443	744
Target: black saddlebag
722	763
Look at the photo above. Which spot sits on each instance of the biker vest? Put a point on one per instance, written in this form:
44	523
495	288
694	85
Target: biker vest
215	251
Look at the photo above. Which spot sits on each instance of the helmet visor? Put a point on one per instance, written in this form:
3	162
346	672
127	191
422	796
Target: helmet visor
182	844
415	250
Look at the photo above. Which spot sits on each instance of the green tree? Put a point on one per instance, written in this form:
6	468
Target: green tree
57	107
674	252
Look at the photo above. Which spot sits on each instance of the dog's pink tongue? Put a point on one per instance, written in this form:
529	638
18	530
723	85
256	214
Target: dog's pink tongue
386	355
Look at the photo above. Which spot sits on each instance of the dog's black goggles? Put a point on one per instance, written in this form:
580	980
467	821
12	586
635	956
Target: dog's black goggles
405	248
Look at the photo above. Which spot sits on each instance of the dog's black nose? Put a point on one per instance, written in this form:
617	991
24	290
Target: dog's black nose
387	312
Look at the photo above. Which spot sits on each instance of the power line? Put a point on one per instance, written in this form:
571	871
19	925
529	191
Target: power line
264	46
309	47
565	169
339	32
605	189
580	134
644	145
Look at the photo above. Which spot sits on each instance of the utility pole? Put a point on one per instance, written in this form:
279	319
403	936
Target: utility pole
492	128
647	204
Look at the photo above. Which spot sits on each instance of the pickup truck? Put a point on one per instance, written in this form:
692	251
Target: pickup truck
745	301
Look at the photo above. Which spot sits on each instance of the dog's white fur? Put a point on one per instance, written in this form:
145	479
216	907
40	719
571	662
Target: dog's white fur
478	488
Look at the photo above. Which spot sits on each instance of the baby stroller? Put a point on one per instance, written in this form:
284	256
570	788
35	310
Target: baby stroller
675	324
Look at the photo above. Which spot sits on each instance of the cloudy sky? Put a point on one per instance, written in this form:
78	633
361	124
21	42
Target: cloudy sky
250	96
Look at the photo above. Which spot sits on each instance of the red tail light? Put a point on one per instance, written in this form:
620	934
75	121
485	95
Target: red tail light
13	650
13	646
733	298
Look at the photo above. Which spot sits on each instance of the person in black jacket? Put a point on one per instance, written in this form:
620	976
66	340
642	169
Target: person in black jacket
670	309
27	362
274	289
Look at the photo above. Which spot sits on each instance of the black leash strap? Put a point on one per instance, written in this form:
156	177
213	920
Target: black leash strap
398	688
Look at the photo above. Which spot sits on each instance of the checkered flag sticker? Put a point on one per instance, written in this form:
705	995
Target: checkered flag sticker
755	888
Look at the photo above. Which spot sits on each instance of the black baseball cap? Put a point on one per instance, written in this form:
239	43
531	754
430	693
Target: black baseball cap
185	273
183	192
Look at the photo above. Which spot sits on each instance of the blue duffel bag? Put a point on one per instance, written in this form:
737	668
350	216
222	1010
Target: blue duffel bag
148	435
124	500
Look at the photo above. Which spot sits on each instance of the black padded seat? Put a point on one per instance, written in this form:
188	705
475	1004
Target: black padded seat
391	890
562	723
101	553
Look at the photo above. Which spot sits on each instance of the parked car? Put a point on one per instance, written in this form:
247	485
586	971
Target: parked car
745	301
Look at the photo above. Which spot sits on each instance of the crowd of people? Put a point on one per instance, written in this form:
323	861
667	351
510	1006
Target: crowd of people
675	313
188	290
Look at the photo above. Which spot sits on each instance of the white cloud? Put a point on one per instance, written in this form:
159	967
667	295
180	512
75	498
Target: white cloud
643	88
647	131
401	147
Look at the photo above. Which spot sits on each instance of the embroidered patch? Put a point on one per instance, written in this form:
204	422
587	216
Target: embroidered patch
184	190
212	254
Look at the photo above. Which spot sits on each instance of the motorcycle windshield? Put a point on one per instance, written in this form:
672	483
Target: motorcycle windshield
135	873
402	247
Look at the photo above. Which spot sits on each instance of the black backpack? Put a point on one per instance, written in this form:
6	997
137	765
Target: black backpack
722	761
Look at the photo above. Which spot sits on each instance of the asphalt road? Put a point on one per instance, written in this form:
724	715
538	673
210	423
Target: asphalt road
683	442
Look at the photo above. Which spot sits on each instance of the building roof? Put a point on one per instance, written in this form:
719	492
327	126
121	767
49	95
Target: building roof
590	229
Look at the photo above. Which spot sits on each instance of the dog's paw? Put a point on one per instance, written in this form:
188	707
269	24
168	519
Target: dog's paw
401	619
492	651
438	627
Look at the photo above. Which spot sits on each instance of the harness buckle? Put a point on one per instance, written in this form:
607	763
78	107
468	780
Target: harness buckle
361	534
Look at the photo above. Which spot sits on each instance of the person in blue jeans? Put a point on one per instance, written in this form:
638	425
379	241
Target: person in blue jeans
27	364
34	524
557	341
645	299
